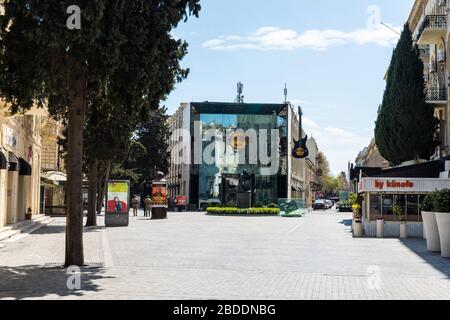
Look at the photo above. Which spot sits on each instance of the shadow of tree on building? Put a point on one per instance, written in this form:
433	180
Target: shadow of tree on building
38	282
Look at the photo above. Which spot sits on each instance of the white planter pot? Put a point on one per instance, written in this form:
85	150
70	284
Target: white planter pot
431	231
443	222
358	230
380	228
403	231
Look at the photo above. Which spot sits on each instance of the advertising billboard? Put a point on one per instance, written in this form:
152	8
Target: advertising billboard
159	195
117	197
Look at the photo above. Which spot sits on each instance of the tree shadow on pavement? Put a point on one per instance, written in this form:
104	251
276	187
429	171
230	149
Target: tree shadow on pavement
419	247
57	229
37	282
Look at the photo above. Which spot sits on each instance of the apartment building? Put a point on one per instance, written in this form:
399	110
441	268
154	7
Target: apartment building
177	177
371	157
20	163
302	174
428	21
53	173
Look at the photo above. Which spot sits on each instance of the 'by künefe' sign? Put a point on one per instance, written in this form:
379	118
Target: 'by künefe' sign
402	185
379	184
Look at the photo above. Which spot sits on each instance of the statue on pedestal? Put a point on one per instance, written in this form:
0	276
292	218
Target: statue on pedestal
244	194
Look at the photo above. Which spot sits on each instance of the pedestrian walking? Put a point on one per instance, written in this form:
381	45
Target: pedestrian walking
148	207
135	205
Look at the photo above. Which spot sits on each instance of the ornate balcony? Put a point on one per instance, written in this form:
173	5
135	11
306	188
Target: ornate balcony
436	95
433	29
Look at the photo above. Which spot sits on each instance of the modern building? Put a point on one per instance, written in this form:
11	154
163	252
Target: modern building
428	22
20	163
212	144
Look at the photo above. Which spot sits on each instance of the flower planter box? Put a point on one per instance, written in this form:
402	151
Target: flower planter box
443	224
242	215
403	231
431	231
357	229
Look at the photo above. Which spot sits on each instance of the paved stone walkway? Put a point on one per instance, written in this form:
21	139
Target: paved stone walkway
193	256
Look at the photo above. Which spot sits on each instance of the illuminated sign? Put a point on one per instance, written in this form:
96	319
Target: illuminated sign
237	140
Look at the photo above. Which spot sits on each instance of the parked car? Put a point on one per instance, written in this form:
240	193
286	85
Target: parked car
328	204
319	205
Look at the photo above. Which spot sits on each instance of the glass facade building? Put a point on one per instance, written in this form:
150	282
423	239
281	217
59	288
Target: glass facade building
234	136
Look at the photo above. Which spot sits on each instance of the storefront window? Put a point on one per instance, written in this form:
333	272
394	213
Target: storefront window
413	208
388	206
400	200
375	206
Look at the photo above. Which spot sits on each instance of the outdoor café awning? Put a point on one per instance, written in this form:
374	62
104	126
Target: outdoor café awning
54	177
24	167
13	163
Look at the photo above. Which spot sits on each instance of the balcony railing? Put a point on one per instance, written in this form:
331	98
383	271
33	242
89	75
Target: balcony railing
434	22
434	94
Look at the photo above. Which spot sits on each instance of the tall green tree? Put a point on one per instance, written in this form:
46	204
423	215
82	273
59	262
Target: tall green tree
406	127
154	135
124	45
343	182
323	170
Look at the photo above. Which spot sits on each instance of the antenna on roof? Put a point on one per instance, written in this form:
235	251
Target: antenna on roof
285	93
240	91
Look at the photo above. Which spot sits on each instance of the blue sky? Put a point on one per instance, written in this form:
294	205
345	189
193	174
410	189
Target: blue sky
332	54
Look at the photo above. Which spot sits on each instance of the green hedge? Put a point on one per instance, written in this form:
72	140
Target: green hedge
252	211
437	201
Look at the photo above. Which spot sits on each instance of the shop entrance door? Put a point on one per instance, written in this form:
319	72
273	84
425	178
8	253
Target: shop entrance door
21	199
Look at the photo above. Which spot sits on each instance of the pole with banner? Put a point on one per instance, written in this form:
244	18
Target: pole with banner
160	201
117	203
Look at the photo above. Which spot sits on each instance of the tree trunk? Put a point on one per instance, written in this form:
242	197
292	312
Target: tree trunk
92	194
74	227
101	194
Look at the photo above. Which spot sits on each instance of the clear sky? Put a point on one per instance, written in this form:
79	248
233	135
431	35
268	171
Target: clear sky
332	54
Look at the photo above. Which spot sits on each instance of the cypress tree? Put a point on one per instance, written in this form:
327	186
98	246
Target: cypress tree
406	127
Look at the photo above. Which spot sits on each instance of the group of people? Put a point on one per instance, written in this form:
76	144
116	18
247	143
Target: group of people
147	203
